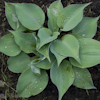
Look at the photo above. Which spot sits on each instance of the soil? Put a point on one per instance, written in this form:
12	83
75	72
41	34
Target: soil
50	93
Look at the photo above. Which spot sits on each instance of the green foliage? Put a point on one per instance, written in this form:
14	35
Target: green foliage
30	15
62	76
66	56
8	45
31	84
19	63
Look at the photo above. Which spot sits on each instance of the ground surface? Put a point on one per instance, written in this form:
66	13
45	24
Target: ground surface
50	93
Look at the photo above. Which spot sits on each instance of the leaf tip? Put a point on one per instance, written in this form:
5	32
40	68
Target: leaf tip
86	4
94	87
10	31
59	0
98	17
5	3
89	3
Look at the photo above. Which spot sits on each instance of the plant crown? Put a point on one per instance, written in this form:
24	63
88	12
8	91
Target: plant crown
50	46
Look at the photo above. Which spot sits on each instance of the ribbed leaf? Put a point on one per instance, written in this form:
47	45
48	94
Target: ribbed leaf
70	16
8	45
86	28
45	35
31	84
67	46
52	12
57	55
12	17
45	51
19	63
30	15
26	41
44	64
62	76
83	79
89	53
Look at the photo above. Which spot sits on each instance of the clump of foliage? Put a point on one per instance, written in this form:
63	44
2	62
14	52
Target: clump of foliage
49	46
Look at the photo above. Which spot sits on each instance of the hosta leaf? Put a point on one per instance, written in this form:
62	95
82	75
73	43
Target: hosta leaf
31	84
89	53
12	17
86	28
45	35
77	36
52	12
44	64
36	70
83	79
8	45
26	41
52	21
62	76
45	51
57	55
56	7
19	63
30	15
70	16
67	46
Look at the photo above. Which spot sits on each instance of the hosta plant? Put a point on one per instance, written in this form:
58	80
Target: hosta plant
65	47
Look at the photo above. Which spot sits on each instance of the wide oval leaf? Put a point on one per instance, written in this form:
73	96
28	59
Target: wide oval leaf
83	78
70	16
67	46
89	53
32	84
46	35
62	76
19	63
86	28
26	41
30	15
8	45
12	17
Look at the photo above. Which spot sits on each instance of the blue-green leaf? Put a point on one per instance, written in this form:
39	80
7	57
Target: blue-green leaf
89	53
30	15
31	84
57	55
44	50
44	64
8	45
62	76
52	12
67	46
86	28
70	16
12	17
45	35
19	63
26	41
56	7
34	69
52	21
83	79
